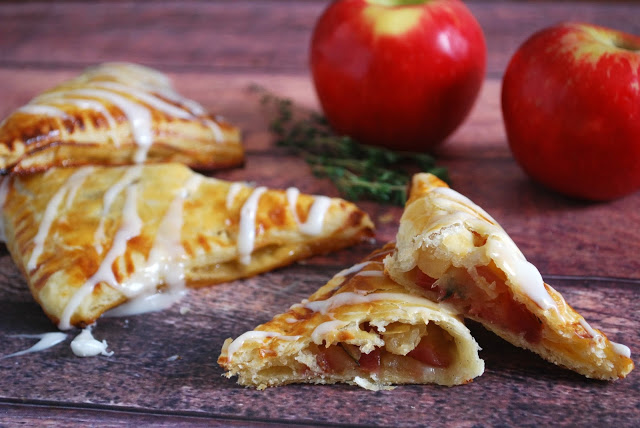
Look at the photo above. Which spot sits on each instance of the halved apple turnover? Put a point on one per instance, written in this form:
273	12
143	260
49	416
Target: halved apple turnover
451	251
360	328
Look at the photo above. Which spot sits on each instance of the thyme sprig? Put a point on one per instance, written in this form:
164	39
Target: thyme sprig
358	171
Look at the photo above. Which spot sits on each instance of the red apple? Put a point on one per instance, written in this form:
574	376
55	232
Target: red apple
571	107
400	74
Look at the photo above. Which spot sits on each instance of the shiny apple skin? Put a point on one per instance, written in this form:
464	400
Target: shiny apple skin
406	91
571	108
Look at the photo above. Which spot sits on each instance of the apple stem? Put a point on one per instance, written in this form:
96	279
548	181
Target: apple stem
626	45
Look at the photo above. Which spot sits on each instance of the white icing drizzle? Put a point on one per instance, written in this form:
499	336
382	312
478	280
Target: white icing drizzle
594	334
292	194
131	174
234	188
167	92
73	182
464	203
515	265
351	298
618	348
355	268
500	247
247	229
142	77
371	386
146	98
147	303
95	106
254	335
195	108
128	72
165	263
323	329
42	110
161	87
129	81
85	345
46	341
4	191
375	273
317	212
130	227
249	335
139	116
315	219
215	129
621	349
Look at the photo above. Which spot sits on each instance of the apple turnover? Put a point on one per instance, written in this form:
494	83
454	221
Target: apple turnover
115	114
360	328
452	251
91	238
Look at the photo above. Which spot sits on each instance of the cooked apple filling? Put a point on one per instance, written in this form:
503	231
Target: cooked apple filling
409	351
481	293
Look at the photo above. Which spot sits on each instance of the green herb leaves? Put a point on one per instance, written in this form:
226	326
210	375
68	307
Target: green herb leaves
358	171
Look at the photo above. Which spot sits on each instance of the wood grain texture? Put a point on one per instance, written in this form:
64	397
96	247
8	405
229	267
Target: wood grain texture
164	370
167	361
240	35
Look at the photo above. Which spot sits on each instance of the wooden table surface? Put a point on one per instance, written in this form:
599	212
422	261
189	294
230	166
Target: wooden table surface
164	369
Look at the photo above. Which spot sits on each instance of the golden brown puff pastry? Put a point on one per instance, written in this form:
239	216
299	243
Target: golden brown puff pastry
115	114
360	328
450	250
91	238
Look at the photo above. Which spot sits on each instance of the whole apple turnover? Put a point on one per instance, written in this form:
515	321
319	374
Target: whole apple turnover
115	114
89	238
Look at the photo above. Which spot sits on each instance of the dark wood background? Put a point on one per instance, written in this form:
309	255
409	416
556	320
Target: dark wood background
164	370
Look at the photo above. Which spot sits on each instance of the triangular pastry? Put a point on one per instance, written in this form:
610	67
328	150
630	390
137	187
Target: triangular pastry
115	114
91	238
360	328
450	250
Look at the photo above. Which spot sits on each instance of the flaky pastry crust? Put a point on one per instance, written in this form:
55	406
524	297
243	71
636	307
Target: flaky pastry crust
91	238
360	328
451	250
115	114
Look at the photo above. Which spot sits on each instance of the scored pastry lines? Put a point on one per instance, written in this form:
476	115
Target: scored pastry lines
73	182
100	91
131	174
164	262
130	227
93	105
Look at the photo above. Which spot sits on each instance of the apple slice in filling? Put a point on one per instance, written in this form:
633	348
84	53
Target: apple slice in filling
485	298
410	353
451	251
